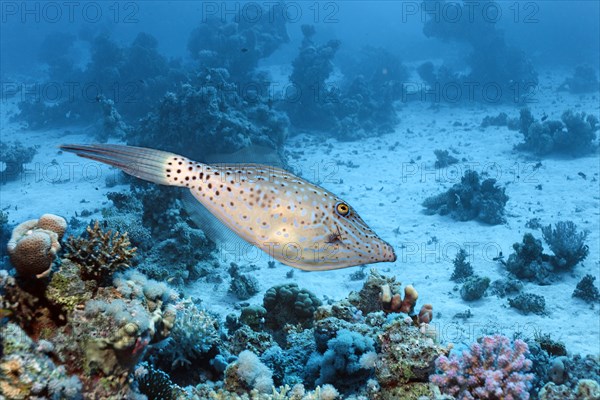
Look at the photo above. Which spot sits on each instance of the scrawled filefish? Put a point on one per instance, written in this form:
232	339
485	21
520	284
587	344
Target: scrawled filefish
298	223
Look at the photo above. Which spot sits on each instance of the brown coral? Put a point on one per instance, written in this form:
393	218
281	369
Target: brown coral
54	223
100	254
33	245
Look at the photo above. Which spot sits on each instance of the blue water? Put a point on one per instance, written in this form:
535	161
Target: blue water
464	135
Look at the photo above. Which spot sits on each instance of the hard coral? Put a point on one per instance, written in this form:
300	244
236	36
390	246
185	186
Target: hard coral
529	262
369	298
492	369
34	244
462	267
529	303
574	134
100	254
13	157
470	199
567	244
288	304
586	290
407	356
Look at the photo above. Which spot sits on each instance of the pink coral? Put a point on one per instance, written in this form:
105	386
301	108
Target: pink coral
492	369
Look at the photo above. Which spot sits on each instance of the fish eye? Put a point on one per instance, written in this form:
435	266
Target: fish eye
342	209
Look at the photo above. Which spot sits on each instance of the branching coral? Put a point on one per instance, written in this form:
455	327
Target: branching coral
567	244
492	369
100	254
462	268
470	199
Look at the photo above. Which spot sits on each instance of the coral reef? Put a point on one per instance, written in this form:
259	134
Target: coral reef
135	77
492	62
359	105
238	45
492	368
586	290
14	156
567	244
28	372
210	110
529	303
584	80
100	254
313	102
470	199
499	120
573	135
33	245
504	287
192	343
169	247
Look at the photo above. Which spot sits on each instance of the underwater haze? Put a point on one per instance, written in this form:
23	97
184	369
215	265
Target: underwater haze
367	200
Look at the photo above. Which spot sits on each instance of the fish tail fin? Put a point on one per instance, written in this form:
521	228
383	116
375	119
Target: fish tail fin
150	165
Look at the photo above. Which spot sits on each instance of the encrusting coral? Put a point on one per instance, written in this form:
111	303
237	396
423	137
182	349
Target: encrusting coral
34	244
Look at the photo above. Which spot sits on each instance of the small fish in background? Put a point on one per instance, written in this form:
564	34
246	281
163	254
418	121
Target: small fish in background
500	258
244	50
294	221
544	117
581	174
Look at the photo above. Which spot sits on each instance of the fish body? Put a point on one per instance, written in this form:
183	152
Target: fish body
294	221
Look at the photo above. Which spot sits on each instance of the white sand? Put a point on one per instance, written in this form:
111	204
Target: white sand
387	190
